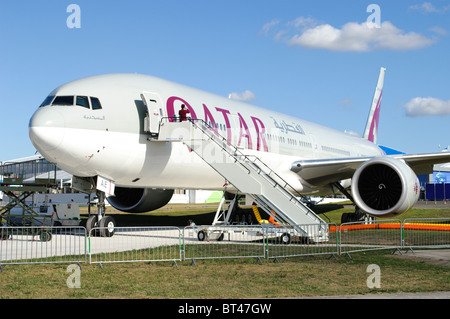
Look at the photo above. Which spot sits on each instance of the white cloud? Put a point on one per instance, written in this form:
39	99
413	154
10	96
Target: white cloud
347	103
268	26
425	7
439	30
359	37
428	7
304	23
427	106
245	96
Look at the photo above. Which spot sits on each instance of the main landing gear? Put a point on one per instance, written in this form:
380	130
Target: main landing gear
358	215
101	225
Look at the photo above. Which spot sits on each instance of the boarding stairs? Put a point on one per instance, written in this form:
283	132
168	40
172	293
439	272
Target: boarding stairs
248	174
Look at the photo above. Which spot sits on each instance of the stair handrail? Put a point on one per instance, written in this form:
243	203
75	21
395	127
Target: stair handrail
235	152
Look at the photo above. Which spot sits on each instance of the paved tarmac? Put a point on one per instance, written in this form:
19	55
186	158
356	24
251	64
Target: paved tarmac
436	257
418	295
430	204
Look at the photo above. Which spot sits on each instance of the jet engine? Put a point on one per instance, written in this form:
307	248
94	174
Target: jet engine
139	200
385	187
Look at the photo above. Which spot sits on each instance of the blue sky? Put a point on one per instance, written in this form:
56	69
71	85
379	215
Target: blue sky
317	60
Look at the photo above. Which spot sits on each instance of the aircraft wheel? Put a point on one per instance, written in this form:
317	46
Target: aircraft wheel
107	226
201	236
285	239
91	223
45	236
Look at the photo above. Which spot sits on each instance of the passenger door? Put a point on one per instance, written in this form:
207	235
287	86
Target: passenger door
154	112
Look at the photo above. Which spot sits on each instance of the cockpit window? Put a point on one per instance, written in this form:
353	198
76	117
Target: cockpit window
80	100
63	100
48	100
83	101
95	103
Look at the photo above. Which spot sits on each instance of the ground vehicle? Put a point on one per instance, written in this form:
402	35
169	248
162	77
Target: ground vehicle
46	214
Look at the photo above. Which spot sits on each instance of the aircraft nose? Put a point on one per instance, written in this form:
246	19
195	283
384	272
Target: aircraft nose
46	129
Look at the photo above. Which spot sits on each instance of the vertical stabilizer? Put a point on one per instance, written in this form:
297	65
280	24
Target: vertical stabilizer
371	130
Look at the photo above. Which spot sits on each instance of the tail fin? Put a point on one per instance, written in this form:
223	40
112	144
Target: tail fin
371	130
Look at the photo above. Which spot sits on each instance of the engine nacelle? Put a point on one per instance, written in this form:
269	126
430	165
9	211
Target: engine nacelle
139	200
385	187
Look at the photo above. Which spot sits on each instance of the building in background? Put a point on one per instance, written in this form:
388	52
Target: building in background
65	193
438	187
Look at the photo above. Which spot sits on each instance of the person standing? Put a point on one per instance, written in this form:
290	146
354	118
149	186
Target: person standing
183	113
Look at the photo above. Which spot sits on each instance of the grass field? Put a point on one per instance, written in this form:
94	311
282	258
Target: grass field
227	278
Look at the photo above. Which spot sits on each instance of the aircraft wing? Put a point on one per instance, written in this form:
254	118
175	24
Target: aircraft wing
423	163
325	171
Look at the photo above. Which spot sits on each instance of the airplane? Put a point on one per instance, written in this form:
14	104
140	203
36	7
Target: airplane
106	127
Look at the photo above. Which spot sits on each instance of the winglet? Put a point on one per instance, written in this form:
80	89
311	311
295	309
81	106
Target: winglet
371	130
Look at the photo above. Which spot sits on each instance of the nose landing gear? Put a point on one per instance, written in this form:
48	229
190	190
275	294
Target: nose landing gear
100	224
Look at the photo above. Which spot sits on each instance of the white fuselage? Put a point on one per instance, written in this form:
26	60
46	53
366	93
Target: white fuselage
112	142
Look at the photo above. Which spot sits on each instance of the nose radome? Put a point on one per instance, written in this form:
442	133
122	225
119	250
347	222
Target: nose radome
46	129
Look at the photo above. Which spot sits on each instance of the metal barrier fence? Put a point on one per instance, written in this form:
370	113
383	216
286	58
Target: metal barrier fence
31	245
26	245
377	235
133	244
426	232
210	242
288	243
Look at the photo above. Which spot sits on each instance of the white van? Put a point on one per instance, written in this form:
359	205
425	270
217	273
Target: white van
62	214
